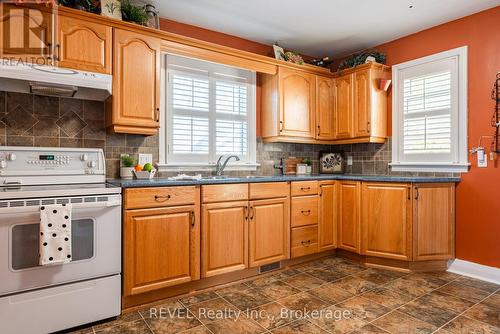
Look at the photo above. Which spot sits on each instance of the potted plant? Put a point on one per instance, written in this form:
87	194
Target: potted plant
127	166
309	163
134	13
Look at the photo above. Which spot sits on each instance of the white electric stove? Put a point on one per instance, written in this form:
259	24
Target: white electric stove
44	299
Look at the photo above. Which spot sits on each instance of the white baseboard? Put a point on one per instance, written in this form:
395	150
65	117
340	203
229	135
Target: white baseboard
475	270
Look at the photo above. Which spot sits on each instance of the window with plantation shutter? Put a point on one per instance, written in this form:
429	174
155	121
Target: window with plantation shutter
210	111
430	113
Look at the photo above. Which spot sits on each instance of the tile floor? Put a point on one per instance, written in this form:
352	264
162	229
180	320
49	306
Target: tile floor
330	295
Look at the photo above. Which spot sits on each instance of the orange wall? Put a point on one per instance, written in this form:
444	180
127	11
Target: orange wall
478	195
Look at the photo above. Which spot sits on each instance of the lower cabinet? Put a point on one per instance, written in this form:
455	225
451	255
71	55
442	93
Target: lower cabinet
349	199
224	237
327	234
433	221
161	248
386	220
269	224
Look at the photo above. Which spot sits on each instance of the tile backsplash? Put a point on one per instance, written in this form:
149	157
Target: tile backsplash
32	120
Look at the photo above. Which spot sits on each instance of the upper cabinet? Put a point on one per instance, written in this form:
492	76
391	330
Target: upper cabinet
26	33
297	101
361	108
84	45
307	107
344	107
325	108
136	83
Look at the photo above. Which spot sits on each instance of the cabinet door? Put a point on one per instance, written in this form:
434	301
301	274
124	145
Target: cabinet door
325	108
386	220
84	45
433	221
269	231
224	238
161	248
136	83
344	106
26	33
349	216
328	216
362	105
297	97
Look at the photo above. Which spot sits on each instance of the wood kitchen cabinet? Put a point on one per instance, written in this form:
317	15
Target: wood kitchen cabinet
349	203
84	45
327	233
297	103
161	238
325	108
269	231
224	237
135	106
361	106
386	220
433	221
237	233
304	218
26	33
344	107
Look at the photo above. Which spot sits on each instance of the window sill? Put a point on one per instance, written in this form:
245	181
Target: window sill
429	167
193	167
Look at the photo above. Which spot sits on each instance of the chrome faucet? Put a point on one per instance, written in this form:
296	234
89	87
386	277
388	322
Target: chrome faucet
219	168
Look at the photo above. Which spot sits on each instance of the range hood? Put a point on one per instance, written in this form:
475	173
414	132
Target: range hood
54	81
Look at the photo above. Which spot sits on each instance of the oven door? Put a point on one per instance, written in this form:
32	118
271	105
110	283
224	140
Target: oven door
96	242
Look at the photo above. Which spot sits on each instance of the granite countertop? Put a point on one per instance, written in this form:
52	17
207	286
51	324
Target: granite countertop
159	182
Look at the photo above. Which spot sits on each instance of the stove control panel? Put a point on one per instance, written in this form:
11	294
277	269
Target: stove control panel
23	163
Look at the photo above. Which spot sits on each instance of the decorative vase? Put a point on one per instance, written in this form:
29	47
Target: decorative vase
126	172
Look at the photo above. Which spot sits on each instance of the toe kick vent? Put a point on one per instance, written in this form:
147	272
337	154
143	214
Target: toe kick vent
270	267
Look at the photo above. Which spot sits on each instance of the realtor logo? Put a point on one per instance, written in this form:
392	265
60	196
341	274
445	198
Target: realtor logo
27	31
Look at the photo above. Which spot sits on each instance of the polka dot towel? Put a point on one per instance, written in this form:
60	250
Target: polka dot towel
55	234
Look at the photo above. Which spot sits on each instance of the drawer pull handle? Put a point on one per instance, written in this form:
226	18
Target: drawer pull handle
306	212
305	243
305	188
162	198
251	213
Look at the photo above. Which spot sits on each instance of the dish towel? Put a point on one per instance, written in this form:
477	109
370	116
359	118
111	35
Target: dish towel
55	234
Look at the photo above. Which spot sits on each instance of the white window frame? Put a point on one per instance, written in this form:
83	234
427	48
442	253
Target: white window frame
166	114
459	161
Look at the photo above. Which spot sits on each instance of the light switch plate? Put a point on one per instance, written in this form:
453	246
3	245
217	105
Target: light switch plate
349	160
145	158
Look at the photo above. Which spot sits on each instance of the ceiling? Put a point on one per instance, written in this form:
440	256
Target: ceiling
319	27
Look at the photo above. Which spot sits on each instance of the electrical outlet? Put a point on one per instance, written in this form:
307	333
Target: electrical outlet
349	160
482	160
145	158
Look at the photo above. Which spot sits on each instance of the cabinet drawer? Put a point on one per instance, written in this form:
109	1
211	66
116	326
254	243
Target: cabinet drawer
269	190
302	188
304	240
224	192
159	197
304	210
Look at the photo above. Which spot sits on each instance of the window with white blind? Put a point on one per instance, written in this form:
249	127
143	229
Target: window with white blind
430	113
209	111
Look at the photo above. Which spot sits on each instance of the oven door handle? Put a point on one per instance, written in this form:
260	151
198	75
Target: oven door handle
75	206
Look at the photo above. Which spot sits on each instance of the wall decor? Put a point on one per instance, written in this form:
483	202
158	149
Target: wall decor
111	8
360	58
331	163
279	53
294	57
92	6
